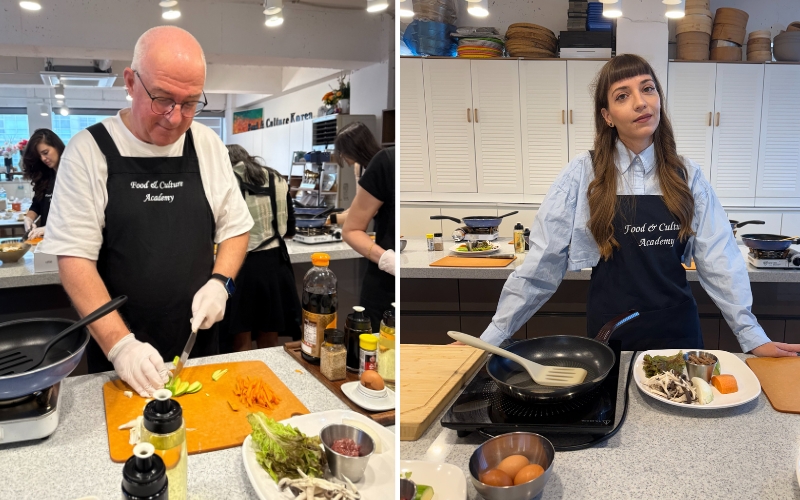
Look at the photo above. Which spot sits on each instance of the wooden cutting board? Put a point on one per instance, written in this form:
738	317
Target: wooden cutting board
472	262
430	376
779	377
210	422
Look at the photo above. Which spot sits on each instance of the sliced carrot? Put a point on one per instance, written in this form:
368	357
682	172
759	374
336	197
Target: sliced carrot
255	392
725	384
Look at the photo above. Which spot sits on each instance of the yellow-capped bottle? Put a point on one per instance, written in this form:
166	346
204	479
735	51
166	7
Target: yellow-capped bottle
319	306
386	349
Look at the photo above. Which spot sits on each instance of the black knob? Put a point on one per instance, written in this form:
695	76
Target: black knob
337	235
796	260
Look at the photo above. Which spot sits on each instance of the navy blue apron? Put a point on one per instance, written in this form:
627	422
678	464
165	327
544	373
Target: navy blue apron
645	274
158	247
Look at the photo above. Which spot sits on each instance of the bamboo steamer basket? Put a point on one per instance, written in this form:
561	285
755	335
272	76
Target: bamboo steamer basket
759	56
795	26
726	54
728	15
759	45
692	52
694	37
729	32
698	4
698	12
695	22
760	34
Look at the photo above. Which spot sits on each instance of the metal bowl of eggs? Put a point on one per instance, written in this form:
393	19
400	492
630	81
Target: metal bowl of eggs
12	252
513	466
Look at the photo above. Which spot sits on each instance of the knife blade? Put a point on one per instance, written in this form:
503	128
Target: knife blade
508	256
185	354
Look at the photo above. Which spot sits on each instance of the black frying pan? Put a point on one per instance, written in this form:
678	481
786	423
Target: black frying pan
773	242
317	220
476	220
592	355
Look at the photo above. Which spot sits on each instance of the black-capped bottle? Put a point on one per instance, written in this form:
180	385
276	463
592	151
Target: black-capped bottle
164	428
144	476
356	323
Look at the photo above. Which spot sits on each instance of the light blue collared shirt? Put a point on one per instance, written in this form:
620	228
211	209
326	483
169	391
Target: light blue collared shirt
560	240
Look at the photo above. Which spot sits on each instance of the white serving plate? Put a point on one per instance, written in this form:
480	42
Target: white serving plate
447	480
379	478
350	389
454	250
749	386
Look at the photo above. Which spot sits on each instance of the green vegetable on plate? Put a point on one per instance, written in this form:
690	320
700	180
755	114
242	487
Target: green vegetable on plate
653	365
424	492
282	449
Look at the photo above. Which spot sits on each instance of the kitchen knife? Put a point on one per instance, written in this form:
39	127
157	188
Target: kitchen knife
499	256
185	353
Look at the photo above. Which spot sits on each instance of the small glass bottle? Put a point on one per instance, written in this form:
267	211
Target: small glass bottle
356	324
163	427
519	239
144	476
367	354
526	235
386	348
429	239
438	243
333	355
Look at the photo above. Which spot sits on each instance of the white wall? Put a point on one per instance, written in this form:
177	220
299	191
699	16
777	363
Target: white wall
369	91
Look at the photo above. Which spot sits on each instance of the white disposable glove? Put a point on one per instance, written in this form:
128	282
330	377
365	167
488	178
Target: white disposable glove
386	263
139	364
208	305
29	225
37	232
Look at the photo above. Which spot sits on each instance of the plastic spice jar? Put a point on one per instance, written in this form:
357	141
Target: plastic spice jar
333	355
367	354
438	243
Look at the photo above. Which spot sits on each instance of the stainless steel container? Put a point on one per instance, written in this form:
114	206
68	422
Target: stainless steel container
408	490
704	372
342	465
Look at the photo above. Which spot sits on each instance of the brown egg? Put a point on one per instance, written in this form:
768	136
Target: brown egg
496	477
512	464
371	380
528	473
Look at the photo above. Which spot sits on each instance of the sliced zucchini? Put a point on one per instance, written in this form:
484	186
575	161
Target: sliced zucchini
424	492
194	387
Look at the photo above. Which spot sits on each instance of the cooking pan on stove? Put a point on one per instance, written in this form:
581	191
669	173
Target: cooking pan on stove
592	355
60	360
309	210
476	220
317	220
775	242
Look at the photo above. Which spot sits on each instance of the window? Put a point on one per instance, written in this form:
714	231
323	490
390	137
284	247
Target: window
212	122
67	126
13	128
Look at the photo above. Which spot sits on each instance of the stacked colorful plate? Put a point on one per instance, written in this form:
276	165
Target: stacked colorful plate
480	47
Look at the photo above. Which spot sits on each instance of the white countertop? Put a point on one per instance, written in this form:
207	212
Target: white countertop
415	263
21	272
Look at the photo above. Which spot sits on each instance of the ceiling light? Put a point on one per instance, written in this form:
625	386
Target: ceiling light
59	102
612	9
43	109
31	5
273	21
273	7
377	5
479	9
170	13
64	111
675	9
406	12
168	3
59	89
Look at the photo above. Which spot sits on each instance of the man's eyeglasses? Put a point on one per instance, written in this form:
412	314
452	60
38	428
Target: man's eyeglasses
165	105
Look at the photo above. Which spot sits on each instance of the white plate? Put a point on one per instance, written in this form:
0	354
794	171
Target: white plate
378	481
749	386
385	403
448	481
495	248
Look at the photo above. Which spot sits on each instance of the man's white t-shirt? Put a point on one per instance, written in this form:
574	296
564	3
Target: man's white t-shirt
77	214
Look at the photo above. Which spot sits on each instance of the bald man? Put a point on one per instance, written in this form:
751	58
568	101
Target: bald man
140	201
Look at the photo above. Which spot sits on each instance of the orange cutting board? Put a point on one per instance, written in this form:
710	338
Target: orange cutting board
210	422
472	262
778	377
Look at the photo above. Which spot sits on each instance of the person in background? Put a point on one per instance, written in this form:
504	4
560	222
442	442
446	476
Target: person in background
375	200
40	165
141	199
265	304
355	145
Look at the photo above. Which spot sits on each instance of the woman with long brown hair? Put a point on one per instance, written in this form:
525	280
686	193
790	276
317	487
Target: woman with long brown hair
634	210
40	162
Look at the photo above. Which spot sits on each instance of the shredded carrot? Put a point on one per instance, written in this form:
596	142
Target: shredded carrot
255	392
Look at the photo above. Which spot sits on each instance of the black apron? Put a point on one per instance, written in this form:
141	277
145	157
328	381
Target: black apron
158	247
268	191
645	274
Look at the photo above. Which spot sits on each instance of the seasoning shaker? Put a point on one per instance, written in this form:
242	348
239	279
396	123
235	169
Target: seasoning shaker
144	476
367	354
164	428
429	240
438	243
356	324
333	355
526	235
519	239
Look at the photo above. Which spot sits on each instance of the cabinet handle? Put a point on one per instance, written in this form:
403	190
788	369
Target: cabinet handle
709	118
570	117
469	115
717	124
476	115
563	117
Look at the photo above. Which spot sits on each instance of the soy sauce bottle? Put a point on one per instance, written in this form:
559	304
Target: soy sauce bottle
144	475
319	306
357	323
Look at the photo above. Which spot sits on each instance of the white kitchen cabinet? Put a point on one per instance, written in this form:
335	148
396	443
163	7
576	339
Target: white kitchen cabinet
545	143
580	77
415	219
778	181
415	170
496	125
448	112
737	127
691	90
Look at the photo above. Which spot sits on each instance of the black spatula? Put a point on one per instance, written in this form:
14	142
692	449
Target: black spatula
26	358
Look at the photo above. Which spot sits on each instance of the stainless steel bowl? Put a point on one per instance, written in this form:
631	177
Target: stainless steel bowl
704	372
342	465
488	455
408	490
403	244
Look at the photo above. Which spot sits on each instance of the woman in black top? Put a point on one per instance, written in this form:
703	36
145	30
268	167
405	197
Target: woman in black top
356	145
40	165
375	200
